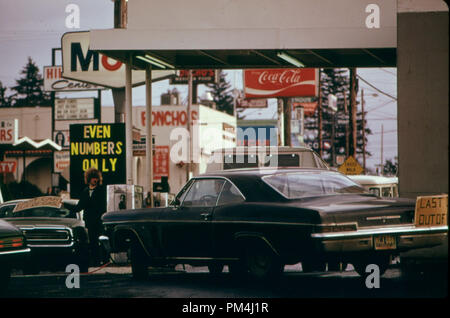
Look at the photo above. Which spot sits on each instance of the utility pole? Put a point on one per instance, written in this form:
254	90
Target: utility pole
287	114
280	121
363	131
347	133
149	132
120	22
189	106
319	124
120	14
382	135
352	145
129	119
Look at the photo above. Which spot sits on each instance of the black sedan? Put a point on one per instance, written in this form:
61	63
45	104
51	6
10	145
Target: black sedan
256	221
13	251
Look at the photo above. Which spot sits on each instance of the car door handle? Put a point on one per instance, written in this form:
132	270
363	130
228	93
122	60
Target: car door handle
206	215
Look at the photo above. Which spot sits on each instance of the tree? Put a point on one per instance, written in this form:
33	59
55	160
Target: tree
390	168
334	128
5	101
29	88
222	95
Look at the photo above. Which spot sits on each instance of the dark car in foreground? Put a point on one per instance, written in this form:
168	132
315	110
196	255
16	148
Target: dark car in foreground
258	220
56	236
13	251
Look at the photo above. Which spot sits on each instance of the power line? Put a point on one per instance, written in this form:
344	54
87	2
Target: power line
379	90
384	132
387	71
380	106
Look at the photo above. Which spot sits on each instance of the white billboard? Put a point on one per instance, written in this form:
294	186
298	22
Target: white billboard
82	64
74	108
9	131
54	82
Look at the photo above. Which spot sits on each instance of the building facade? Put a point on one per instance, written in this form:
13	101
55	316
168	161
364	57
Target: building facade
210	129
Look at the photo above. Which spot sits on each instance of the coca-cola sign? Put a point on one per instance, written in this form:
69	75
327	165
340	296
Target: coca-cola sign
281	82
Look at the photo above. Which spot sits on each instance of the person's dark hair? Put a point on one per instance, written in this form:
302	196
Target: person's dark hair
92	173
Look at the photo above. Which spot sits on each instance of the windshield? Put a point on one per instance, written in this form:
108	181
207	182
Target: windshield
306	184
48	212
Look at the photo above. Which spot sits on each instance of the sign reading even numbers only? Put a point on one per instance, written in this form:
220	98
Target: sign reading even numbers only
100	146
351	167
431	210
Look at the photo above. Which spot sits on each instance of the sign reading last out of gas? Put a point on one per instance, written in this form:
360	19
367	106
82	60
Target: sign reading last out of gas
431	211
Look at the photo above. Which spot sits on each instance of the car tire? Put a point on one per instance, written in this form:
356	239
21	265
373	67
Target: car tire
262	264
313	265
383	262
138	259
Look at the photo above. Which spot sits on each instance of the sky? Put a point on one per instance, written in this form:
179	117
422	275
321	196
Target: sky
31	28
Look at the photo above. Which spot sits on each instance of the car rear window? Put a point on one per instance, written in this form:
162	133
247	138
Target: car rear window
306	184
240	161
284	160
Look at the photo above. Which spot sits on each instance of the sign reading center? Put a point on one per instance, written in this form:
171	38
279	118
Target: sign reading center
100	146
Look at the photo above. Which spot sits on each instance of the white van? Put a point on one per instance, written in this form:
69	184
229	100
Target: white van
254	157
378	185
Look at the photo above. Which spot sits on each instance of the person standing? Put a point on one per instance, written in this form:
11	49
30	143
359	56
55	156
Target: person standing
93	202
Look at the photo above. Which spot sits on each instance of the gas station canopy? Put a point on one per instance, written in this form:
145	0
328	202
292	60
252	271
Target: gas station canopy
236	34
242	59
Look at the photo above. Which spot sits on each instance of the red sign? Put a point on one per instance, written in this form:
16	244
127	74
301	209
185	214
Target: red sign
251	103
169	117
8	166
198	77
160	163
309	108
267	83
8	131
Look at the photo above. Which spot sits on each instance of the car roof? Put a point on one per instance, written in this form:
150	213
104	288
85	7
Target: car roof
375	180
250	183
280	149
261	171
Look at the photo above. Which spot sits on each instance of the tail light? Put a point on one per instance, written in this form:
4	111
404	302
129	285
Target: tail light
11	242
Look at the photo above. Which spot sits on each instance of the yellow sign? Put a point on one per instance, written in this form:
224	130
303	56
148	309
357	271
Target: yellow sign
431	211
351	167
39	201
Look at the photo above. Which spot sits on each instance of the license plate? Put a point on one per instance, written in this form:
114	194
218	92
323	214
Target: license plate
385	242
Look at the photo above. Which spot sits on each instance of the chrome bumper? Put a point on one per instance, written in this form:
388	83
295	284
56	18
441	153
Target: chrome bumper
407	237
15	252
